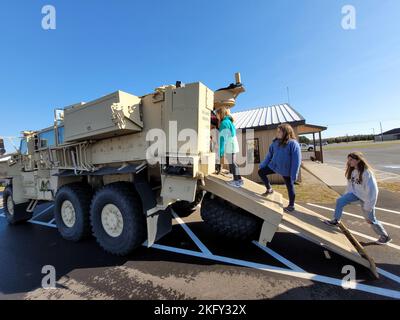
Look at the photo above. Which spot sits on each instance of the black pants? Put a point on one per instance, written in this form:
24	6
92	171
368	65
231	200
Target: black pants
264	172
233	167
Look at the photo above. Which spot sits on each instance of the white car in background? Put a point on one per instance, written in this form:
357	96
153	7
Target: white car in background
306	147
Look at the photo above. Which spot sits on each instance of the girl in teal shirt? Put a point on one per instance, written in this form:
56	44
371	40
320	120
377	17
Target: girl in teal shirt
228	144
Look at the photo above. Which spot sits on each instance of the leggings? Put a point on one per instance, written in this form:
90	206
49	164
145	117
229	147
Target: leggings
233	167
264	172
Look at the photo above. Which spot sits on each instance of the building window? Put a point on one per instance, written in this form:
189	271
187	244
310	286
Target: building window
253	151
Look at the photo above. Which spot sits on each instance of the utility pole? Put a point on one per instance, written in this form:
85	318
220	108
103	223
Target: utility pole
381	131
373	132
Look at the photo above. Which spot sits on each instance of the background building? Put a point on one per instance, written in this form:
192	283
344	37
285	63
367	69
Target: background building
393	134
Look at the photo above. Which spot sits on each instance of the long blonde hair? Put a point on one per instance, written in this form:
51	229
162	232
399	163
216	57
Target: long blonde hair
288	133
224	112
361	167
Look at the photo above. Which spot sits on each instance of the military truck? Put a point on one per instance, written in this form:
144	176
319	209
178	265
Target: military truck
94	162
118	166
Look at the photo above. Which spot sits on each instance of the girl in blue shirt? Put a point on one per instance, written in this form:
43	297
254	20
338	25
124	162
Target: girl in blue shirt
284	158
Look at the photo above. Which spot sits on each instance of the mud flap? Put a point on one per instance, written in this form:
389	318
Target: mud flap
159	222
158	225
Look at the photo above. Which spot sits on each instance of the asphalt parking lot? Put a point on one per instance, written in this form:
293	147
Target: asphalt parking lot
385	159
193	263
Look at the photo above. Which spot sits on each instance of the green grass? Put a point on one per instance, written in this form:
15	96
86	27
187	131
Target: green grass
391	186
362	145
305	192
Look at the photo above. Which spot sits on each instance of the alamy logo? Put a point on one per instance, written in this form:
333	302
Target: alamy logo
349	17
349	280
49	280
49	20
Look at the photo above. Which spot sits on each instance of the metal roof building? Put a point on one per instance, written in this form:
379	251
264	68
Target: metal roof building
264	121
265	117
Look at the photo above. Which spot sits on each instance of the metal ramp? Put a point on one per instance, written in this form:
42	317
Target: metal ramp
305	222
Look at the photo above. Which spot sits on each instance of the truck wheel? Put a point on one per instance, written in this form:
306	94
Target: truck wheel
14	213
117	219
185	208
71	211
232	222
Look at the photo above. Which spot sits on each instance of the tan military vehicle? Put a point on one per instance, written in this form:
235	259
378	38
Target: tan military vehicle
95	164
116	166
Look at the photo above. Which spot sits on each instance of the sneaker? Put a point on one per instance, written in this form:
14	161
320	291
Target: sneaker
384	240
240	182
234	183
332	222
289	209
268	192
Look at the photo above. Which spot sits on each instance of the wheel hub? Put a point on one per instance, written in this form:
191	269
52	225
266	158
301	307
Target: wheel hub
68	213
112	221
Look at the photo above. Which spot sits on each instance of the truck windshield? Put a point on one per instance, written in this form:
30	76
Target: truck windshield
47	139
60	135
23	147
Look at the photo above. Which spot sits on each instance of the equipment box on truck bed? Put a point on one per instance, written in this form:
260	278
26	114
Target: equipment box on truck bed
115	114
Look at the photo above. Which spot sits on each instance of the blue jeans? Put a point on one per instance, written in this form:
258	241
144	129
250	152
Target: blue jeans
264	172
370	216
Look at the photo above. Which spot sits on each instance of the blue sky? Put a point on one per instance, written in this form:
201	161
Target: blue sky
348	80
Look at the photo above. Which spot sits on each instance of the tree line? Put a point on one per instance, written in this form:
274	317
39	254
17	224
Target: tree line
343	139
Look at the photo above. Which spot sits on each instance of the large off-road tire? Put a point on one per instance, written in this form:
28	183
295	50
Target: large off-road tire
71	211
228	220
14	213
185	208
118	222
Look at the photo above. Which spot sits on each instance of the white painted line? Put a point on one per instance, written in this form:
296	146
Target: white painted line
352	215
394	246
46	224
195	239
380	271
42	212
387	210
302	275
278	257
298	274
43	224
389	275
